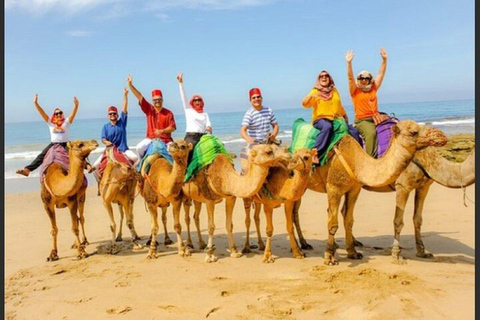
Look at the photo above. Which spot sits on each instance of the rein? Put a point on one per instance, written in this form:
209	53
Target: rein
345	164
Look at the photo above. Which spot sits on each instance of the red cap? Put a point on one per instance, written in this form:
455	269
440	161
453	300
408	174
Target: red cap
254	91
112	109
156	94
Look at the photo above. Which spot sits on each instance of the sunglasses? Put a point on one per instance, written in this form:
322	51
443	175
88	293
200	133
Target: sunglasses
112	114
59	113
256	97
323	76
362	78
160	99
197	100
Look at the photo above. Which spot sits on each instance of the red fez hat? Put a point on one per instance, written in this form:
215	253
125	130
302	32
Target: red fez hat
254	91
156	94
112	109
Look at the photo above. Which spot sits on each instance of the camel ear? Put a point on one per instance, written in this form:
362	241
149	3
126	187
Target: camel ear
190	146
253	152
313	151
69	145
395	130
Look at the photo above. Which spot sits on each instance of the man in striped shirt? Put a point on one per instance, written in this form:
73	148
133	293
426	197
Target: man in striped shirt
257	121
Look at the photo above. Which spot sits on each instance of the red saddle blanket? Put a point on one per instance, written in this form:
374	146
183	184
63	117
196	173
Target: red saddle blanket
57	154
117	154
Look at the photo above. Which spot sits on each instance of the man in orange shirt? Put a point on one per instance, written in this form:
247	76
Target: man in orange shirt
364	98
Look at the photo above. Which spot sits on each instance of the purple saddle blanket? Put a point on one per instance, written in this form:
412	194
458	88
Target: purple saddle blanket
57	154
384	135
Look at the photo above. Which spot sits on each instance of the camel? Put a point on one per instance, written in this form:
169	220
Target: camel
351	168
117	185
163	186
283	185
426	168
219	180
64	188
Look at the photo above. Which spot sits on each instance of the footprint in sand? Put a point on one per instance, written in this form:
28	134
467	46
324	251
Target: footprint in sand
119	310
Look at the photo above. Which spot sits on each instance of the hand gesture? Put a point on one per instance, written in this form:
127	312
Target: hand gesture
349	56
129	79
125	92
383	53
75	101
180	77
158	132
35	98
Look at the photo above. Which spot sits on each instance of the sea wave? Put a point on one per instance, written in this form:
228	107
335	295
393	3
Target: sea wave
449	122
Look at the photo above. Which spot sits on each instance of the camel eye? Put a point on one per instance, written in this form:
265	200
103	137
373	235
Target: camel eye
80	145
269	152
306	158
414	133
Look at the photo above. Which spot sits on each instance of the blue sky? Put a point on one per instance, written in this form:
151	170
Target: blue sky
87	48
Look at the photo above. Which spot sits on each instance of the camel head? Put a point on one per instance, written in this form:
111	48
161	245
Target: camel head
81	148
302	159
282	154
263	155
179	150
412	137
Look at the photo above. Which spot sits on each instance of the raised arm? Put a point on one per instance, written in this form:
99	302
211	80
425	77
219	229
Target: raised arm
351	79
383	68
74	111
135	92
39	108
182	90
125	101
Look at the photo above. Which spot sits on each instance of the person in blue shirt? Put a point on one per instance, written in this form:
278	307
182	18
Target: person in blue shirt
115	132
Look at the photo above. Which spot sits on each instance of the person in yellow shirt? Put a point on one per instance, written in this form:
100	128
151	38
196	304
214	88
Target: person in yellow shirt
325	101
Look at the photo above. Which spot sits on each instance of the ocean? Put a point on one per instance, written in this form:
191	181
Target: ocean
24	140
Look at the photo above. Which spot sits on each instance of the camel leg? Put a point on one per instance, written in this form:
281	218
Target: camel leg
128	204
152	253
350	200
401	201
164	221
210	249
73	207
229	204
113	226
81	207
182	249
122	215
186	208
267	255
50	209
196	217
247	205
420	195
333	204
296	220
256	217
297	253
356	243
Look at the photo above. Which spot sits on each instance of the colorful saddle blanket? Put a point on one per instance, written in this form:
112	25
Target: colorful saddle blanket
304	135
117	154
155	147
206	150
57	154
384	135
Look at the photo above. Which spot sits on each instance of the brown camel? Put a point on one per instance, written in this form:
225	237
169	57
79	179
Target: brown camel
426	168
117	185
334	179
220	180
283	185
163	186
62	188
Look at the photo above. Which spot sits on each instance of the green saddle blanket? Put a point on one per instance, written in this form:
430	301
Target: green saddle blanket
304	135
206	150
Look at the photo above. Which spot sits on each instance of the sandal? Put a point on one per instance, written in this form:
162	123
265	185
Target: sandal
23	172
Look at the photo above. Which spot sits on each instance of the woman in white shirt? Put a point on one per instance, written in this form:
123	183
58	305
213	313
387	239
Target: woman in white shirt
59	127
198	122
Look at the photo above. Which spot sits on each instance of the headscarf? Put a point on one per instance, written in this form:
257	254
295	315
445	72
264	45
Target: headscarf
199	109
55	120
367	87
325	93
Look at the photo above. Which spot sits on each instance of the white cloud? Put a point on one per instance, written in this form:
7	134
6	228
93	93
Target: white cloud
164	17
120	8
78	33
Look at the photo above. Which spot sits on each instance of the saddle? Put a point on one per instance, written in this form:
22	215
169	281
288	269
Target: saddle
57	154
156	149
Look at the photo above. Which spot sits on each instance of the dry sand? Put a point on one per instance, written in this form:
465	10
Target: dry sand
129	286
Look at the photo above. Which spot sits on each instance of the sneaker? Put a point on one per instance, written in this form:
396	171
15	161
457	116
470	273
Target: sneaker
23	172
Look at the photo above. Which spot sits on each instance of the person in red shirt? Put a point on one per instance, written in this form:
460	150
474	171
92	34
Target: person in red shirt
160	121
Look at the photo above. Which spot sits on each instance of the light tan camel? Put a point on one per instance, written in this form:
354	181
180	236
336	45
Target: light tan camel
333	177
283	185
62	188
220	180
117	185
427	167
163	186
